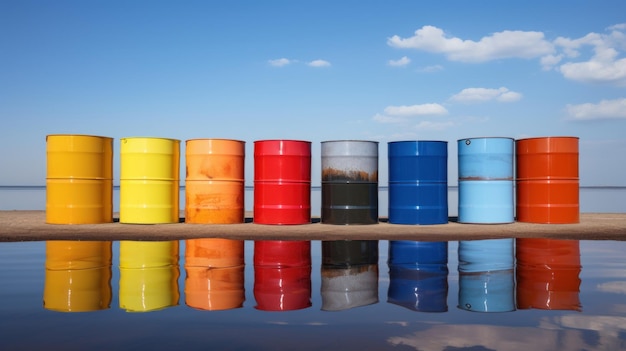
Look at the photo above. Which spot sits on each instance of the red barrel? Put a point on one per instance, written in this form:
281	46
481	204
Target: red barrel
548	274
282	289
282	182
282	253
547	180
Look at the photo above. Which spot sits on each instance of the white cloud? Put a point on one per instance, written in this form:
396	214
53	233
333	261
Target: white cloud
280	62
431	69
605	109
549	61
617	287
400	62
501	94
505	44
416	110
319	63
387	119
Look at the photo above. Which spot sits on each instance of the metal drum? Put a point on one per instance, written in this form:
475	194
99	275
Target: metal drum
349	182
79	179
349	287
348	253
214	185
282	182
149	180
547	180
486	180
418	182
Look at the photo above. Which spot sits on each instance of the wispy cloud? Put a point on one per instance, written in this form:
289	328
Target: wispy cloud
506	44
431	69
319	63
501	94
280	62
400	62
416	110
605	109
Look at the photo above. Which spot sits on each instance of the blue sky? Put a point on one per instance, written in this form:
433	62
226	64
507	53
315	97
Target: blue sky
313	70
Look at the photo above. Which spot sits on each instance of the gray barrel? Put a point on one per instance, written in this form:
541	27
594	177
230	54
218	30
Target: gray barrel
349	182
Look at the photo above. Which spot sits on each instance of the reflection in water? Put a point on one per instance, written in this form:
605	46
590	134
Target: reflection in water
418	273
148	275
547	274
215	274
349	274
78	276
486	281
282	275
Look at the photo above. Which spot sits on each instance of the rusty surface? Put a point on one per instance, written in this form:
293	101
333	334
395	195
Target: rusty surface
30	226
331	174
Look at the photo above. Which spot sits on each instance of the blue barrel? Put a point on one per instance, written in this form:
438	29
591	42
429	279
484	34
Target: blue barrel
418	253
418	182
419	289
486	180
487	291
486	255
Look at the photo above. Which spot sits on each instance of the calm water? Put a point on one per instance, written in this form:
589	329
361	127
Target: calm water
468	295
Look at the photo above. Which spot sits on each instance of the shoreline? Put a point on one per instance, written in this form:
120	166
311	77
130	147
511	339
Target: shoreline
30	226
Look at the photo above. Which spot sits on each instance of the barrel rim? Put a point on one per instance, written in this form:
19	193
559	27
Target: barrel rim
489	137
550	137
80	135
417	141
274	140
216	139
157	138
348	140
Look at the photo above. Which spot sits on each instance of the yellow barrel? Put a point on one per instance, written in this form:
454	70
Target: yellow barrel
77	290
148	289
148	254
79	179
149	180
65	255
214	186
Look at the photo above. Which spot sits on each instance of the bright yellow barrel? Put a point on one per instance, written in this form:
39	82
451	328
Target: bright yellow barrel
214	186
78	276
149	180
79	179
148	254
148	289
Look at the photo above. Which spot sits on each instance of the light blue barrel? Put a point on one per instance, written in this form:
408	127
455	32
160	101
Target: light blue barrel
486	180
487	291
418	182
486	255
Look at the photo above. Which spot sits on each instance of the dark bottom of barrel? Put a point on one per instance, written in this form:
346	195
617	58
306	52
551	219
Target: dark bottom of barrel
349	203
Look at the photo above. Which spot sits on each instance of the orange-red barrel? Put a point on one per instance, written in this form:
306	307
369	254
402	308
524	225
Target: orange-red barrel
282	182
547	184
79	179
214	186
214	252
548	274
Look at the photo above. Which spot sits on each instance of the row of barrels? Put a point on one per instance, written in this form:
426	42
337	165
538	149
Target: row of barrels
496	275
500	180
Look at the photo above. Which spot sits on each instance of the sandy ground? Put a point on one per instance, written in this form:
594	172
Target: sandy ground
31	226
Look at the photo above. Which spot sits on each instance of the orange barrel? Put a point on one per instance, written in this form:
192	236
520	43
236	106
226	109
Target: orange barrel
214	186
79	179
214	288
214	252
78	276
149	180
282	182
548	274
547	180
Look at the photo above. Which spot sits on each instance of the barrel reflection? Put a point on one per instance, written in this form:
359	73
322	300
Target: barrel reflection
215	274
486	280
78	276
548	274
418	274
349	274
282	275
